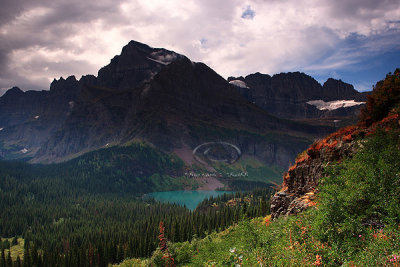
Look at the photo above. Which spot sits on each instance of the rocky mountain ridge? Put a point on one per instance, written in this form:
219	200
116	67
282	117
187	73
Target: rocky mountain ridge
287	95
148	94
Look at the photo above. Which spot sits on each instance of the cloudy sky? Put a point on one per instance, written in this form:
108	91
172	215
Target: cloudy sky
357	41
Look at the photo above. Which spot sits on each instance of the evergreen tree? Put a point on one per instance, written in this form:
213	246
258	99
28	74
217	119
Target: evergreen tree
3	259
9	259
18	262
14	241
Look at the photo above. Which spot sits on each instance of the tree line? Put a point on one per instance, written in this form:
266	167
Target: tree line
74	218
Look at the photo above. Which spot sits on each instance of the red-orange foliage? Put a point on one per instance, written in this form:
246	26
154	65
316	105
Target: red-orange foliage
267	221
320	145
390	119
163	241
169	260
331	141
347	138
318	260
303	159
333	144
312	203
292	167
349	130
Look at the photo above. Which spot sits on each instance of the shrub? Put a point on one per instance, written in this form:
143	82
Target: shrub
385	96
361	192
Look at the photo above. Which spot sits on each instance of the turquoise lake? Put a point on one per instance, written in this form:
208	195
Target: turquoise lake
190	198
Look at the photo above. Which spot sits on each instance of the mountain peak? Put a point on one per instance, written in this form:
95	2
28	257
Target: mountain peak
333	88
15	91
137	64
135	45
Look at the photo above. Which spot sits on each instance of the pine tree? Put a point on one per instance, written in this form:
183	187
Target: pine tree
27	259
18	261
9	259
3	259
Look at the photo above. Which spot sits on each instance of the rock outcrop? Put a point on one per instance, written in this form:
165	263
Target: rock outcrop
300	183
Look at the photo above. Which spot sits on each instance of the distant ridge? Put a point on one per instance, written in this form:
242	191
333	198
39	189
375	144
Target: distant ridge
152	95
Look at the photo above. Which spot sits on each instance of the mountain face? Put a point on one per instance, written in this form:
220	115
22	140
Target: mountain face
288	95
137	64
147	94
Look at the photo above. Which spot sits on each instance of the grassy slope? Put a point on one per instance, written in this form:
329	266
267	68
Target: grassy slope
286	242
250	169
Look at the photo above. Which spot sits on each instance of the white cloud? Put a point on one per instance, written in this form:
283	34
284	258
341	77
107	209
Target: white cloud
50	39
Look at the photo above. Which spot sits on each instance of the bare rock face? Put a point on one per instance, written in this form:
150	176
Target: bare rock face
286	94
301	181
333	89
137	64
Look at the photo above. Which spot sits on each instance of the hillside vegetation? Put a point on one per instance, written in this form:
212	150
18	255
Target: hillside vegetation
354	220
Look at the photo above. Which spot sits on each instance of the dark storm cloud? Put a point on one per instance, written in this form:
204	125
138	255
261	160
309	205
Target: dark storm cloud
10	9
45	39
3	59
59	21
36	71
49	25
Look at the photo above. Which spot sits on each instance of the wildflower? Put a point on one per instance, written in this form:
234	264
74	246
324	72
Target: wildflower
318	260
267	221
394	258
232	250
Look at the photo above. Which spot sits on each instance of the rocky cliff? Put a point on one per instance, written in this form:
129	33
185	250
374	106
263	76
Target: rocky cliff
286	95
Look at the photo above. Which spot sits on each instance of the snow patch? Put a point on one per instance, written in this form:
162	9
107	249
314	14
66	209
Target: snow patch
163	57
239	83
332	105
24	150
158	61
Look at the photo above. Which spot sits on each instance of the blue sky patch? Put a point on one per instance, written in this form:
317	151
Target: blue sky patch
248	13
